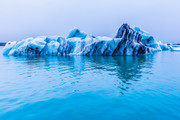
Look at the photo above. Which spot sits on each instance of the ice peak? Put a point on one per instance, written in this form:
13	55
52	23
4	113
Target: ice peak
76	33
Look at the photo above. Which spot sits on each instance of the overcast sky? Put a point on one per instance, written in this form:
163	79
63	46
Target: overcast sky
20	19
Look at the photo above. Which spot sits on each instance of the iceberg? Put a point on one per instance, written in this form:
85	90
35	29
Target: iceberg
127	41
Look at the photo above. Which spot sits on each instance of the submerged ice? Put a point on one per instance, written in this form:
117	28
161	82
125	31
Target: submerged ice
127	41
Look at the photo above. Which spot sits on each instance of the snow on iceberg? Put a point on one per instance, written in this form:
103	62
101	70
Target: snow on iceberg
149	40
128	41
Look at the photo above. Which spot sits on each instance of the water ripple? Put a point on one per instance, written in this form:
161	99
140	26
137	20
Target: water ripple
90	87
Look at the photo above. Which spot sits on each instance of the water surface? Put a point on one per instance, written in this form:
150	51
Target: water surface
94	87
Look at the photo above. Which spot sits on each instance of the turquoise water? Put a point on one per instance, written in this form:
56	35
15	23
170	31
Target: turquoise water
90	88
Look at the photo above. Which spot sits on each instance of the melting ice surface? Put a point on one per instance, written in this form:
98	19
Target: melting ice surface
128	41
90	87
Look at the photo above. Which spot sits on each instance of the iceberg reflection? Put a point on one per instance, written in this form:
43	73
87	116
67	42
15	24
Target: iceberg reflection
118	71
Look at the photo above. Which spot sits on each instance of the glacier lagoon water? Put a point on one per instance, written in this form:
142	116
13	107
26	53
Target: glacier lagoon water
94	87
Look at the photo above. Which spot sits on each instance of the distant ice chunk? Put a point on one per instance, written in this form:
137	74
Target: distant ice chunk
174	47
